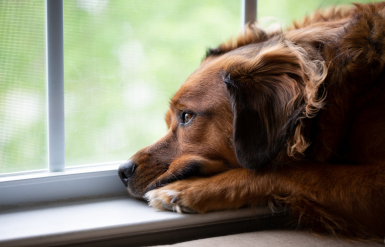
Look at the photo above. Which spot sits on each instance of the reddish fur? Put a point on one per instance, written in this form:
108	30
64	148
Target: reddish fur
337	184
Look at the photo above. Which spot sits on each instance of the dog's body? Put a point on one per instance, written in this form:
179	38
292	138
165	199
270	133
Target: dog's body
292	118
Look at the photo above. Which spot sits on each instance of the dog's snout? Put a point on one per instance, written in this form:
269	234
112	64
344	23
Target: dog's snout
126	171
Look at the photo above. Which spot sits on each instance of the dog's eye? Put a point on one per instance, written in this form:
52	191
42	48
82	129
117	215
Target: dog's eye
186	117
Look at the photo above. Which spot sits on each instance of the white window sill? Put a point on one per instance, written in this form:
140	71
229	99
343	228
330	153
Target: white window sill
77	182
98	219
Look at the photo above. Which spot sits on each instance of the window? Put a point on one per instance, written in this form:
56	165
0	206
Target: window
123	60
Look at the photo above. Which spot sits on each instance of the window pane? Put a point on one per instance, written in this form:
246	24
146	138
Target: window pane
123	62
284	12
22	86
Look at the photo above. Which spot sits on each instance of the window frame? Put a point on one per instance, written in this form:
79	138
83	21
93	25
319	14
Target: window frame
55	85
59	182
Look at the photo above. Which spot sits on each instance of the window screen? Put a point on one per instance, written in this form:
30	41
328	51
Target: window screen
22	86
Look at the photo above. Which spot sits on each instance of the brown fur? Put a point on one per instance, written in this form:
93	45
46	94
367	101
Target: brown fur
292	118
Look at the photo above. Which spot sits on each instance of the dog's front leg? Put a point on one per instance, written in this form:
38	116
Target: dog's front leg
228	190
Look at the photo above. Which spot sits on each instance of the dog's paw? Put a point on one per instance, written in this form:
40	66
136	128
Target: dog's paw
173	197
202	194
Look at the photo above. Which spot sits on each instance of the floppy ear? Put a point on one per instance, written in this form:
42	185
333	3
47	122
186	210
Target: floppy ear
270	92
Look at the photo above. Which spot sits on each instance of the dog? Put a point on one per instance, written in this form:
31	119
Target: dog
290	118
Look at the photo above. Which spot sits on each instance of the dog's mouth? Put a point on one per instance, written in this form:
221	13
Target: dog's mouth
189	171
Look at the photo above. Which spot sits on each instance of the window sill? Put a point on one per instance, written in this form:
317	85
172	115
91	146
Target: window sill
79	222
77	182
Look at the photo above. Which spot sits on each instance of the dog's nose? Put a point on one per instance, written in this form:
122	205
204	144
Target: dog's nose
126	171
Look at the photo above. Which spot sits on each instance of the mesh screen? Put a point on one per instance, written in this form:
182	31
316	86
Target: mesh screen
22	86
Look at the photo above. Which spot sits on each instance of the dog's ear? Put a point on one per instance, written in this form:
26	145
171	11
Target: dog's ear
270	91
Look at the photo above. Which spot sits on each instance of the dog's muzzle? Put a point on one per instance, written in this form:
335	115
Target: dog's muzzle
126	171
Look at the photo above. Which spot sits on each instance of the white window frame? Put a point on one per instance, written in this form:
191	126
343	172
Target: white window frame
60	183
55	85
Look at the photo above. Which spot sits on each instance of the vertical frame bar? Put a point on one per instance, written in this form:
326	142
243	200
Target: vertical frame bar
55	84
249	11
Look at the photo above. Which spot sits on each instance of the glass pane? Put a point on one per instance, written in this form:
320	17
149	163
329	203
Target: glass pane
123	62
22	86
290	10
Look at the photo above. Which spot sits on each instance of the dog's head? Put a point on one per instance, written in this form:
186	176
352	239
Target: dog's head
199	140
242	107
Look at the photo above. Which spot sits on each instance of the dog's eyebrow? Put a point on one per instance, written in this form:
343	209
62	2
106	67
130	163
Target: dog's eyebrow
173	102
176	104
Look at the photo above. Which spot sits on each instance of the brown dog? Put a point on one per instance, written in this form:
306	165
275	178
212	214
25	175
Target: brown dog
291	118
